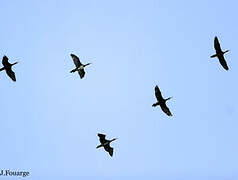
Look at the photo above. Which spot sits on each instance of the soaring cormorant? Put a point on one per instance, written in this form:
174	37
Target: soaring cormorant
8	68
220	54
161	101
105	143
79	66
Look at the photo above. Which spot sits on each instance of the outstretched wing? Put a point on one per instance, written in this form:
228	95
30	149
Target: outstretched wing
76	60
5	61
166	110
11	74
217	45
158	94
223	62
108	149
81	73
102	138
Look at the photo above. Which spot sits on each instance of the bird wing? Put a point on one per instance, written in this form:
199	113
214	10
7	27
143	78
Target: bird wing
217	45
223	62
166	110
76	60
108	149
81	73
11	74
102	138
5	61
158	94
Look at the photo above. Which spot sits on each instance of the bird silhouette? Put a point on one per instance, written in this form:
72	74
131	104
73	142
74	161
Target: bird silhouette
8	68
79	66
220	54
105	143
161	101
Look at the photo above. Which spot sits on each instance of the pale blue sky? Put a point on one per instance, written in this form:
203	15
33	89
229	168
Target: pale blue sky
50	118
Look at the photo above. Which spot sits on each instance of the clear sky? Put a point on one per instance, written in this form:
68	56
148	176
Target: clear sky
50	118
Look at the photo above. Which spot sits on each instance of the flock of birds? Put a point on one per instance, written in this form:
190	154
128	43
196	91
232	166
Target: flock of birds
79	67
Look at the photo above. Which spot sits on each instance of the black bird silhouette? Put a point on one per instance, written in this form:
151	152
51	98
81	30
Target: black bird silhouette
220	54
105	143
79	66
8	68
161	101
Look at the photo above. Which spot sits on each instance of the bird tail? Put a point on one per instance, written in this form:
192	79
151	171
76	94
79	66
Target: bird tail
214	55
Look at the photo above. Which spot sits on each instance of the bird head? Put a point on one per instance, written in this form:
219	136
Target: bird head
226	51
155	104
168	98
87	64
14	63
114	139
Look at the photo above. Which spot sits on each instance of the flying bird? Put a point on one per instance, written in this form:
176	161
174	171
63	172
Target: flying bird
161	101
105	143
220	54
8	68
79	66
